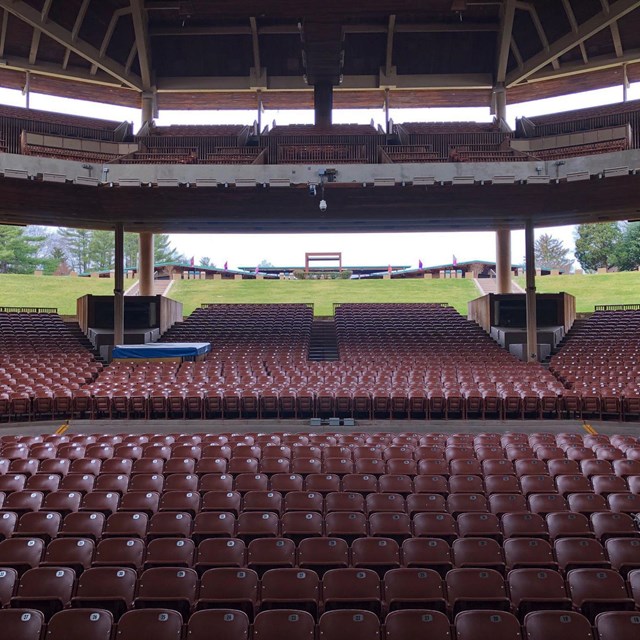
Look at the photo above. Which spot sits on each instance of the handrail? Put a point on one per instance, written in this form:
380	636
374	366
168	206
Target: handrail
28	310
617	307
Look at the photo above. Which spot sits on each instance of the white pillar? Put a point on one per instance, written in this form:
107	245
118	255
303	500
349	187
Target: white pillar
146	264
532	321
118	288
503	260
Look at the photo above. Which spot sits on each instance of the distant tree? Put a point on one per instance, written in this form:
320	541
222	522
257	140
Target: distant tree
596	245
19	250
76	243
52	261
164	252
131	248
101	250
265	264
627	253
206	262
551	253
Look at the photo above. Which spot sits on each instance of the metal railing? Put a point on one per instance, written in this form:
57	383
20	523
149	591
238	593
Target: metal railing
28	310
617	307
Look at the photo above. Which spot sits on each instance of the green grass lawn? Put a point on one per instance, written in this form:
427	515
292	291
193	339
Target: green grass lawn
51	291
62	292
590	290
323	293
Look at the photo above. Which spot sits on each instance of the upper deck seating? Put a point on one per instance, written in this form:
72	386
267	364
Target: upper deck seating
332	130
207	130
449	127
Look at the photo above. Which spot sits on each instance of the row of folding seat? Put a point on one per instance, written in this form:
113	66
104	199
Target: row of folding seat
350	624
184	474
119	589
223	499
460	476
375	438
172	541
101	519
599	475
353	447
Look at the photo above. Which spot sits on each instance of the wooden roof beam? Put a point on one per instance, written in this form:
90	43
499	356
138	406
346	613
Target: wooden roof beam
3	31
141	30
535	18
586	30
617	40
106	41
292	29
207	84
63	36
77	25
35	39
389	53
599	63
568	9
255	41
54	70
504	39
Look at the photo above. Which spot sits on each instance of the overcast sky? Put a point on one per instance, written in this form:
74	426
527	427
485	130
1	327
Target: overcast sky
357	249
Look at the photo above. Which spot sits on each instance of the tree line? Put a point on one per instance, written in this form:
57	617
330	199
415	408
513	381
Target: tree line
614	246
609	245
25	249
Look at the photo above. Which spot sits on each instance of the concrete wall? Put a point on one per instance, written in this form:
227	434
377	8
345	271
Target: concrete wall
304	174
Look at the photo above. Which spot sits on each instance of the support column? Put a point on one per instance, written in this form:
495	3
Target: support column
532	321
323	103
625	83
500	102
148	106
118	289
503	260
386	111
146	264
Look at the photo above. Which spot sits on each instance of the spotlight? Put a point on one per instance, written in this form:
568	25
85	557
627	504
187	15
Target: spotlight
312	190
323	205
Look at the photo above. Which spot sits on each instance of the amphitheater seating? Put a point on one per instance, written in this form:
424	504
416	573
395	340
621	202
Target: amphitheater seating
128	577
206	130
66	154
609	146
404	361
42	366
333	130
162	156
307	152
396	361
411	153
449	127
598	365
577	115
57	123
233	155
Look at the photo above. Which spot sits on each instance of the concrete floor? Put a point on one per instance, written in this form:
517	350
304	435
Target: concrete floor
292	426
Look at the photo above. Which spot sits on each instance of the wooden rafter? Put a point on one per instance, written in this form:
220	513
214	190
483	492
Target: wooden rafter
389	53
77	25
504	39
63	36
568	9
141	30
535	18
106	41
586	30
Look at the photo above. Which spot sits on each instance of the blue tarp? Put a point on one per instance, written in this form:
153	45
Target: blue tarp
162	350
